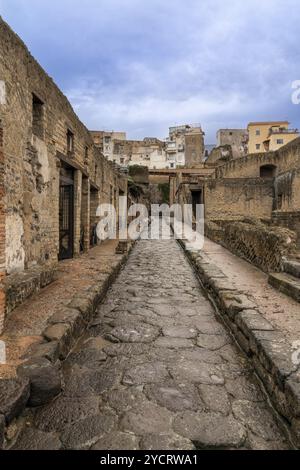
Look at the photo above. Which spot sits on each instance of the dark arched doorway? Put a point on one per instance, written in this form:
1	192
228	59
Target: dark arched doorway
268	171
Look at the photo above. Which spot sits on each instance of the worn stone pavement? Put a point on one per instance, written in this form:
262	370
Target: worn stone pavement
156	370
26	323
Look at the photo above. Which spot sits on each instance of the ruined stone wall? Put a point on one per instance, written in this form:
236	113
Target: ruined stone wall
220	155
235	139
261	244
287	190
33	157
285	159
235	198
286	211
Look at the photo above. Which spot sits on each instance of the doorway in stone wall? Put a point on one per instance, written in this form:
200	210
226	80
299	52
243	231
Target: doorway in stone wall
196	200
66	213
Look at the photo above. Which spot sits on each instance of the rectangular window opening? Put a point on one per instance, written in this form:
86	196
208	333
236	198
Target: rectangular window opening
86	155
37	116
70	142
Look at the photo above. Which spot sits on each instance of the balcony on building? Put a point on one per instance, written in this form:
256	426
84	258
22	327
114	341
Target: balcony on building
282	130
171	147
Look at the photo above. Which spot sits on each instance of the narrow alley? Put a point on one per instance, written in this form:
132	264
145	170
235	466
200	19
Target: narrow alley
155	370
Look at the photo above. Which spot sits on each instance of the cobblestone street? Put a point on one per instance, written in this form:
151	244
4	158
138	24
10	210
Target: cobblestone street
155	370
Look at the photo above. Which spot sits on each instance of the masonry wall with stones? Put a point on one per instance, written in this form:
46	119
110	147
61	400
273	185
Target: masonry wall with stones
262	244
220	155
237	197
283	169
194	148
42	135
284	160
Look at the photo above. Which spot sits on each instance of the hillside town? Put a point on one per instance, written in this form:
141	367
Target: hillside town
186	145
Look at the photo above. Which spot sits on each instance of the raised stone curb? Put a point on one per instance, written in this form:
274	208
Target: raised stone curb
20	286
287	284
267	348
39	379
44	378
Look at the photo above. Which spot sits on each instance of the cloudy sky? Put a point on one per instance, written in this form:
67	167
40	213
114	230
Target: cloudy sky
143	65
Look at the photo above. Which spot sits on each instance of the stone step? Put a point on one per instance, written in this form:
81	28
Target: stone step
286	283
292	267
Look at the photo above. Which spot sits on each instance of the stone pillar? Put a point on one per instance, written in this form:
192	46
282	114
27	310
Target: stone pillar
77	210
94	203
85	212
2	233
172	190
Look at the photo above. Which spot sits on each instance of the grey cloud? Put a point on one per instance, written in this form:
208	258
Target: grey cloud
142	65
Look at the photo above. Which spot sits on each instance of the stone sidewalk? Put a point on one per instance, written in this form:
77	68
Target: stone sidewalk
155	370
279	309
45	327
264	322
27	322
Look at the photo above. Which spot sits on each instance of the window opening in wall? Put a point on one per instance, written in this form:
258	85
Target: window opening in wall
70	142
37	117
86	155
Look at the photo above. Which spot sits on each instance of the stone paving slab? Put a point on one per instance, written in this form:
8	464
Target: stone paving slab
41	332
157	383
268	343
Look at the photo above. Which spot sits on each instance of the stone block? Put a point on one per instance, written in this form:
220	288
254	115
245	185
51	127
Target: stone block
48	350
277	358
14	395
292	268
286	284
84	304
210	430
250	320
63	334
45	380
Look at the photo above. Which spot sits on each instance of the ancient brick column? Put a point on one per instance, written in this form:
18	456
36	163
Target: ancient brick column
2	232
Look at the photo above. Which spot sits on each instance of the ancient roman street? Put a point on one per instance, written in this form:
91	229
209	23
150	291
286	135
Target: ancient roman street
156	370
116	334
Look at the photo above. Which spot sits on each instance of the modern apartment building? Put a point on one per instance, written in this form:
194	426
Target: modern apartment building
269	136
105	140
185	145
